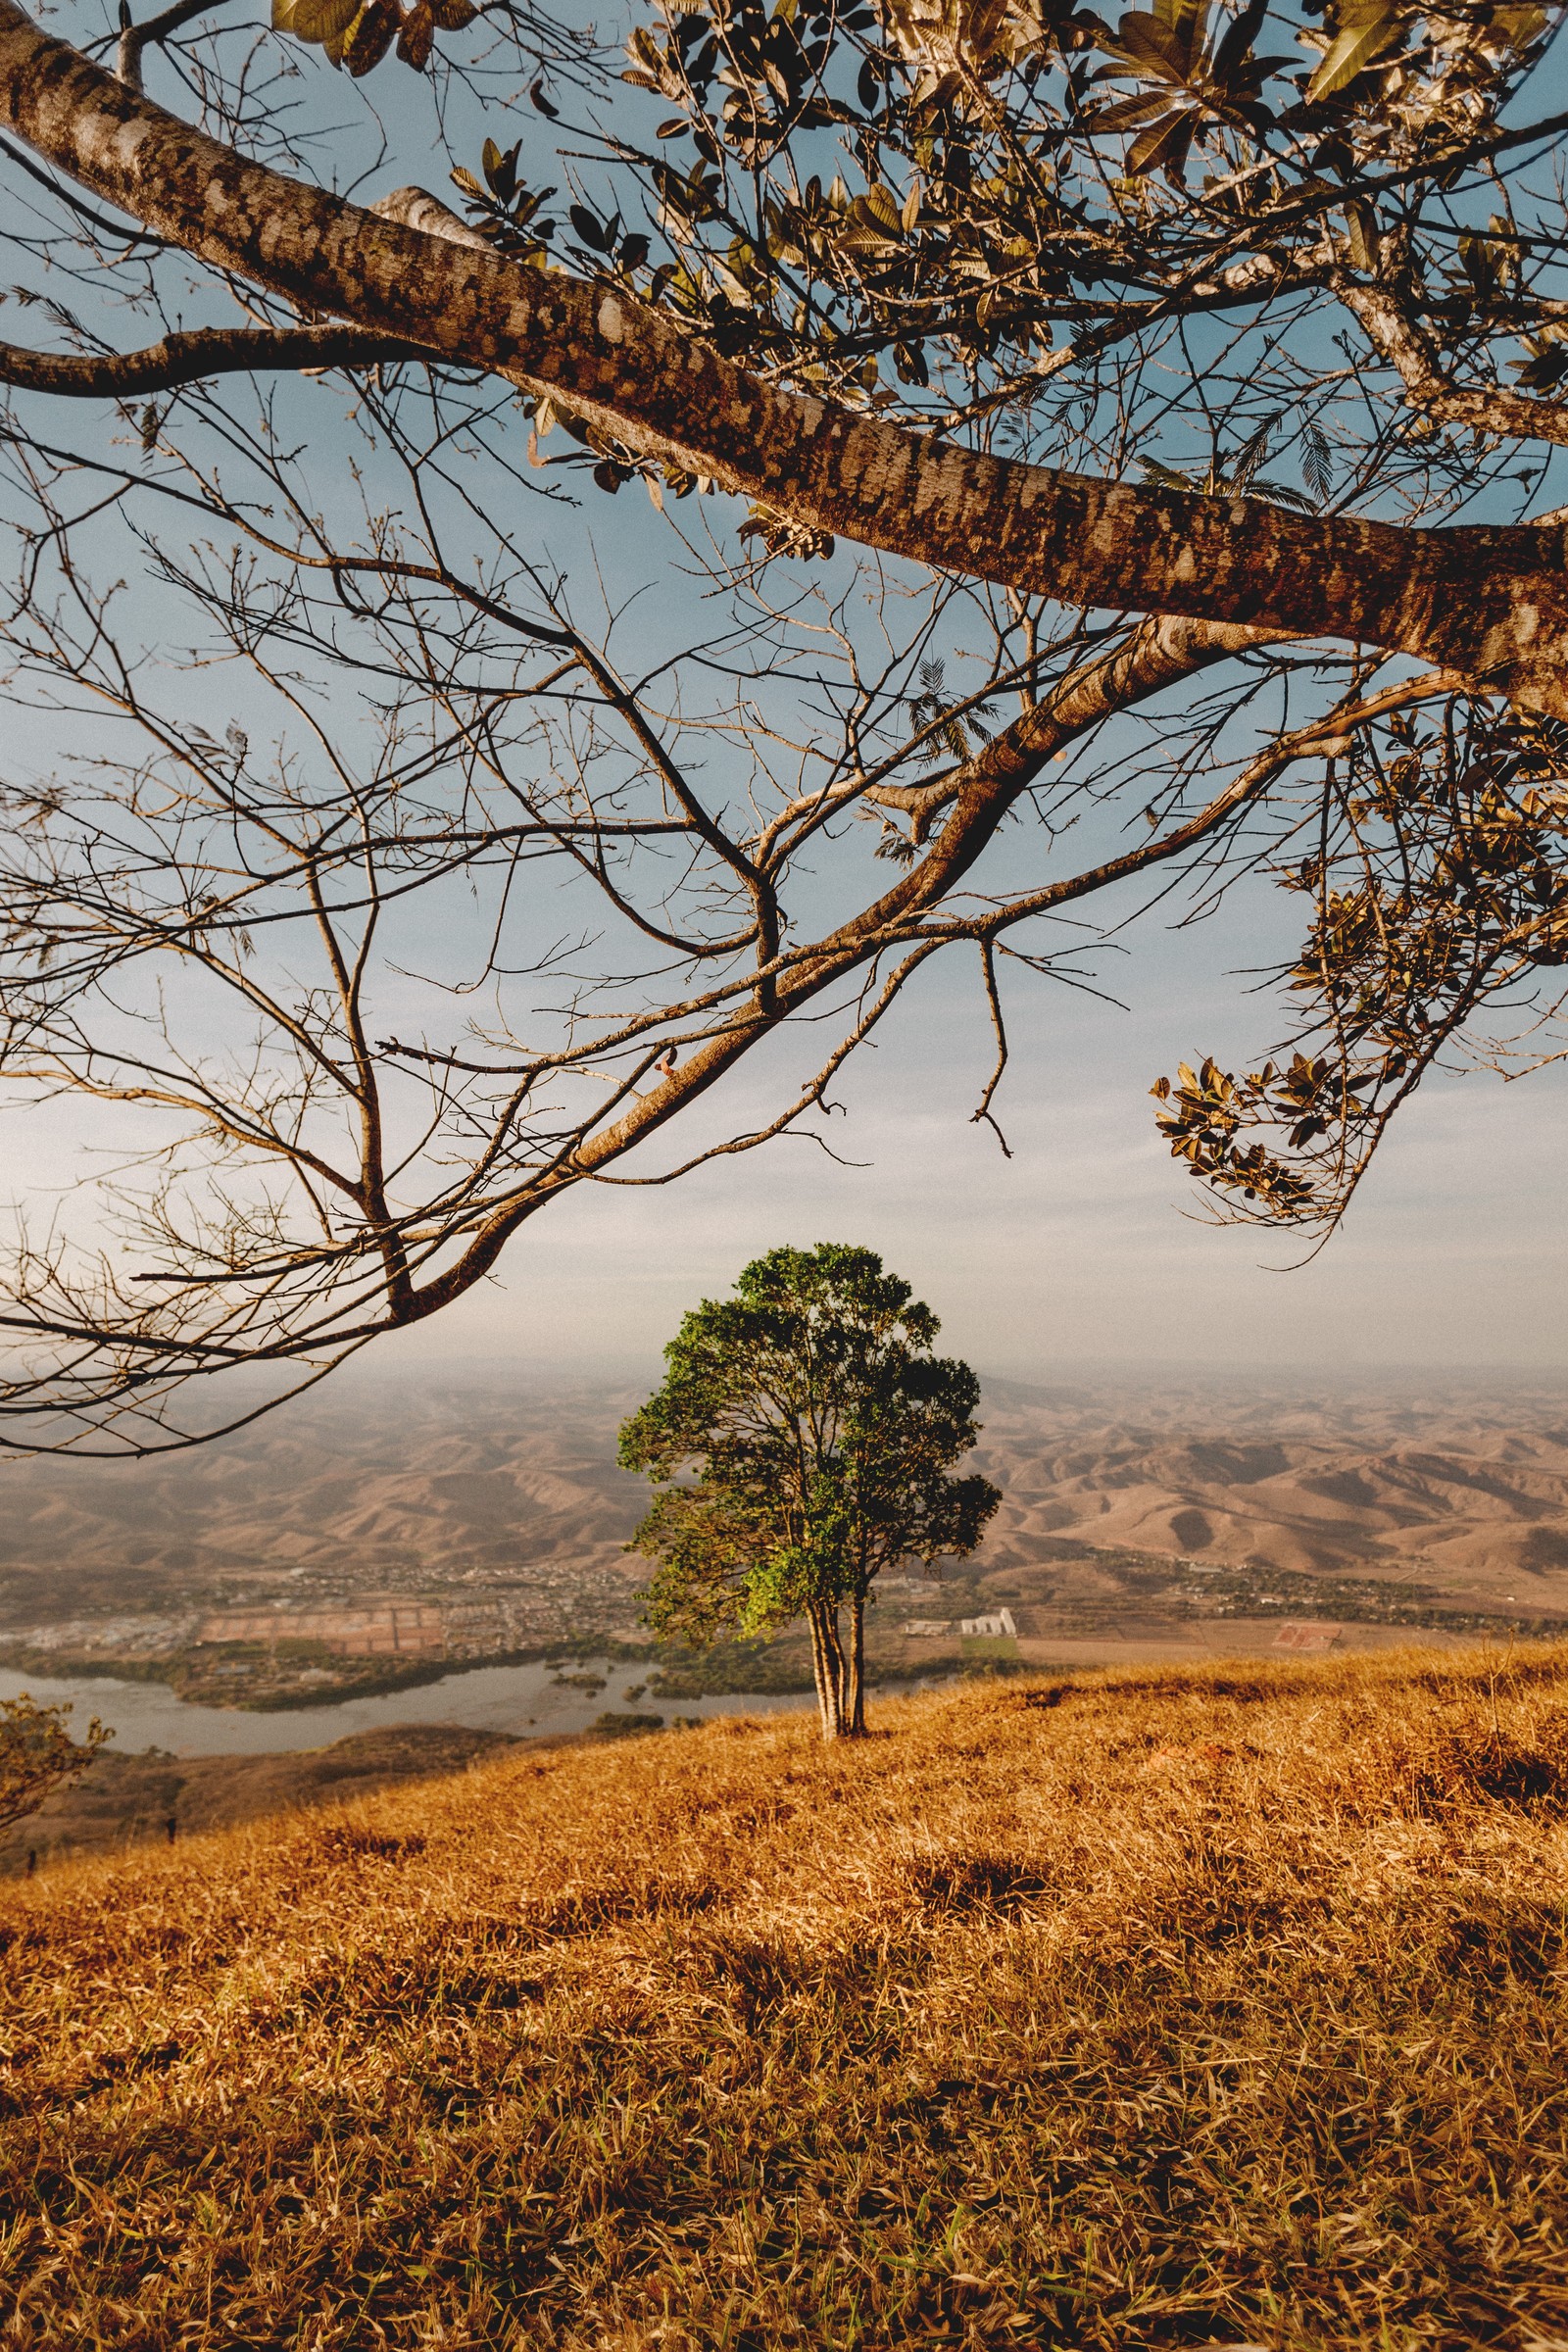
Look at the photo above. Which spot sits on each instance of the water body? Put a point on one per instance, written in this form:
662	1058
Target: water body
528	1700
520	1699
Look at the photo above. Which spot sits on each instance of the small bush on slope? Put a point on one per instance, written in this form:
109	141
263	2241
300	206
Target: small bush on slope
1143	2010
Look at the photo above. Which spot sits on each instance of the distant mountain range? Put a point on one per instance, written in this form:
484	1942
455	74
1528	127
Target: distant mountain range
1466	1489
381	1484
368	1485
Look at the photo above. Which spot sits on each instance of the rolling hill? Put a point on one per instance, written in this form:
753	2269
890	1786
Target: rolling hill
1124	2013
1468	1491
459	1486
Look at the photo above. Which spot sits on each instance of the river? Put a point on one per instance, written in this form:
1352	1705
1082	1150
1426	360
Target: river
528	1700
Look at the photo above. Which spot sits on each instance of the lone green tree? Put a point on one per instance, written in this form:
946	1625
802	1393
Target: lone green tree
821	1431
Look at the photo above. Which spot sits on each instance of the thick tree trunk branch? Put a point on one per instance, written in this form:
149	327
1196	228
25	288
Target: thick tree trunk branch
1490	603
1484	408
185	358
1160	653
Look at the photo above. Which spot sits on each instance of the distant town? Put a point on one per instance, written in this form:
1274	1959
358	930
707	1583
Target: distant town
301	1644
318	1640
569	1604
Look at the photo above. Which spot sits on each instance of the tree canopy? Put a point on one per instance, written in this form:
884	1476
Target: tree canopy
822	1431
1092	459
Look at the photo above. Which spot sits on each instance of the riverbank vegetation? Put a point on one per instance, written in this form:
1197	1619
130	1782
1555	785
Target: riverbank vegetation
38	1755
132	1798
1132	2010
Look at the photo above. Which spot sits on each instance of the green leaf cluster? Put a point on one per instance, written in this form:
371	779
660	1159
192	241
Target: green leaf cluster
802	1437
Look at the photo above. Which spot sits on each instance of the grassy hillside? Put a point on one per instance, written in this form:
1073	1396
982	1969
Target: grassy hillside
1141	2010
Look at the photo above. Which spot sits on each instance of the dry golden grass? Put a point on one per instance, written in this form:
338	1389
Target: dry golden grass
1150	2009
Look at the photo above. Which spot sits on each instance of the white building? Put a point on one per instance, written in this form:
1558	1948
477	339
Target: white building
1000	1623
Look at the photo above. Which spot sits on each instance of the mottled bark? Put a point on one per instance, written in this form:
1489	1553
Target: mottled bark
1488	603
186	359
1407	347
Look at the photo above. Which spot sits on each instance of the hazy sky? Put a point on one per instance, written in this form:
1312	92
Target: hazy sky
1076	1249
1074	1252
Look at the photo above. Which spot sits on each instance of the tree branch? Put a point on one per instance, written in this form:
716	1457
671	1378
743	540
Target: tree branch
184	359
1490	603
135	39
1484	408
1159	654
988	970
1323	738
1165	650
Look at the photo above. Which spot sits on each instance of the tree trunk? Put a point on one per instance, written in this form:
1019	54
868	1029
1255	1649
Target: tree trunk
833	1641
827	1664
855	1672
840	1668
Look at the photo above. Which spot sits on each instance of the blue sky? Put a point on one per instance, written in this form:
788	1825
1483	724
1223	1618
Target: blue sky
1076	1249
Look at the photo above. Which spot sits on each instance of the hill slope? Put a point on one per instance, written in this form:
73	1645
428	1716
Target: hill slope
1134	2011
1468	1491
377	1485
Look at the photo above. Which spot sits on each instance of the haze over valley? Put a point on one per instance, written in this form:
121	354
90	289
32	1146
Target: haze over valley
382	1531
